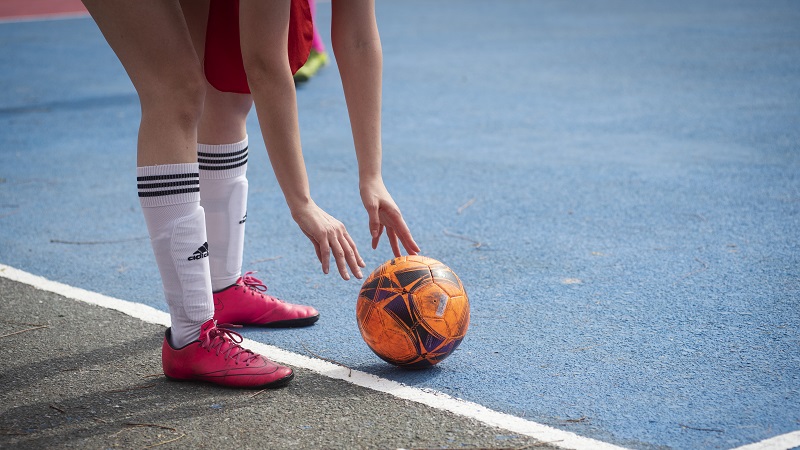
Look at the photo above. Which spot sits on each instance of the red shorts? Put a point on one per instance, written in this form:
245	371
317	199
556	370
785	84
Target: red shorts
223	55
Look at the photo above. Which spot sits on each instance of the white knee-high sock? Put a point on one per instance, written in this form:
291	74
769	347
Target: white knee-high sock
170	199
223	196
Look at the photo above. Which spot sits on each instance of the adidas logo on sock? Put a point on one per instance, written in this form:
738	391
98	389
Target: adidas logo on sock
200	253
244	219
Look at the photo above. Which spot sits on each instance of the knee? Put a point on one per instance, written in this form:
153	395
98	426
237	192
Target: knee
226	104
177	100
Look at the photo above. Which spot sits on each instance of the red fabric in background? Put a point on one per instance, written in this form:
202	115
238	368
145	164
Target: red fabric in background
224	67
40	8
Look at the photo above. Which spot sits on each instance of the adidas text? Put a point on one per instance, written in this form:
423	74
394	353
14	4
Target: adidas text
200	253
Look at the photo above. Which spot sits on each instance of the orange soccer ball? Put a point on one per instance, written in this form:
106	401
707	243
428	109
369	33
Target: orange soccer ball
413	311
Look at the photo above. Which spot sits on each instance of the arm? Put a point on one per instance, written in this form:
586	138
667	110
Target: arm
264	31
357	46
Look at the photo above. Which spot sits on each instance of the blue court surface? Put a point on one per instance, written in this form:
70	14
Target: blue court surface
617	183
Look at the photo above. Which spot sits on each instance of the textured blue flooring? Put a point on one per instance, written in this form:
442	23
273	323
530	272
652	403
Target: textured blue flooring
616	183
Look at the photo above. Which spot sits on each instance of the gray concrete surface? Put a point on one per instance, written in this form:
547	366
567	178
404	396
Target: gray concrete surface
82	376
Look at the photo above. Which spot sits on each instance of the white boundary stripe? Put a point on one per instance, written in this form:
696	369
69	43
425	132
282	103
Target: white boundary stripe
427	397
782	442
434	399
137	310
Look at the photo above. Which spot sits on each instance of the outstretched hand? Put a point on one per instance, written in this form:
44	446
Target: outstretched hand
384	213
329	236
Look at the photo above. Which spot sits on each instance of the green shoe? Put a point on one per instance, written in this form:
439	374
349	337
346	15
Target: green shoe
316	60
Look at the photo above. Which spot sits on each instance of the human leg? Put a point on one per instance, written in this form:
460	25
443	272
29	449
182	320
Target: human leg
156	51
317	58
223	189
154	46
316	42
223	154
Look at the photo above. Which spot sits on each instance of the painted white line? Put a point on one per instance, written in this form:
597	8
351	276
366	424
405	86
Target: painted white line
44	17
137	310
783	442
434	399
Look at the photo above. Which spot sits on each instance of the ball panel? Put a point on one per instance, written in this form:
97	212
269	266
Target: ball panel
369	287
447	280
430	300
412	278
398	308
457	316
387	338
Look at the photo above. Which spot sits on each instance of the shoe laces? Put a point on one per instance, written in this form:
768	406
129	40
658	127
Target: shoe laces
257	285
226	342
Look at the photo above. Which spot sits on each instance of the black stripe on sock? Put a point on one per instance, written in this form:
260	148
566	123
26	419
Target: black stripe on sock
168	177
172	192
223	167
221	155
170	184
221	161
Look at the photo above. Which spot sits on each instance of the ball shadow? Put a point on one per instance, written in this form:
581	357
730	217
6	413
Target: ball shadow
409	376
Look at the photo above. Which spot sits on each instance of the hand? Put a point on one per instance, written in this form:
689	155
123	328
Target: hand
329	236
384	213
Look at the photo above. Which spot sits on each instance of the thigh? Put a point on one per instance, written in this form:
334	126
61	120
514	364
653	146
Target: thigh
151	40
195	12
224	113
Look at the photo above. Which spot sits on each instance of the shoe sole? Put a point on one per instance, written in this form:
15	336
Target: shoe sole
272	384
292	323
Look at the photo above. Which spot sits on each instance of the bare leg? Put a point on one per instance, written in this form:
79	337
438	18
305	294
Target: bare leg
153	44
225	113
223	155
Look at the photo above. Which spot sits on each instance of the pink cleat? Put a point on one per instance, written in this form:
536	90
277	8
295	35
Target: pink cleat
218	358
245	303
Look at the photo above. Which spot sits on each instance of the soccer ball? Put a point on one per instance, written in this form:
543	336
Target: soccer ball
413	311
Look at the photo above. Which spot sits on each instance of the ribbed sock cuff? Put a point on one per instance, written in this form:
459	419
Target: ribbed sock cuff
168	184
222	161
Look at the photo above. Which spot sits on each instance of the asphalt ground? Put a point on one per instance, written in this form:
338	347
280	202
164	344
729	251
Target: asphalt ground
88	377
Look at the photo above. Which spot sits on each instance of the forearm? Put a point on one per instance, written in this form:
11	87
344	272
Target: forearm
356	44
264	28
276	107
